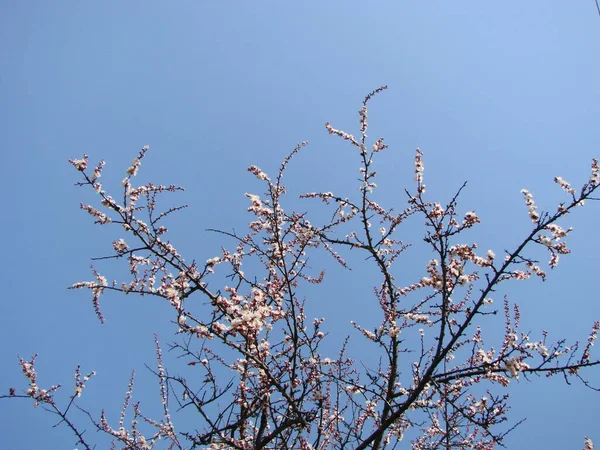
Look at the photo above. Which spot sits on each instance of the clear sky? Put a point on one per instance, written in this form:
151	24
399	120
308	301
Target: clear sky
504	95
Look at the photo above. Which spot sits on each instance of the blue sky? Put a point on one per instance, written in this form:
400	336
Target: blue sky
504	95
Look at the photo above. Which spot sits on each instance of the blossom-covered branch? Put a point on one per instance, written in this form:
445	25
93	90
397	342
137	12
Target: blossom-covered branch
257	375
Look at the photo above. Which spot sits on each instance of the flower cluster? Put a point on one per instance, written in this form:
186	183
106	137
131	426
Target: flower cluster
39	395
120	246
514	366
595	177
470	219
80	164
81	380
553	243
533	214
250	315
565	185
342	134
419	168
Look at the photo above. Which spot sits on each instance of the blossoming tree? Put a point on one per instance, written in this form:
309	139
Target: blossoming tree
437	381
